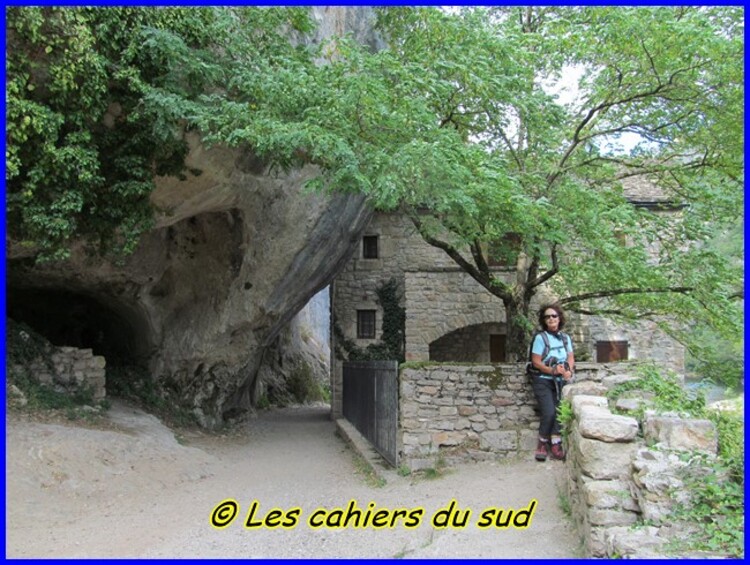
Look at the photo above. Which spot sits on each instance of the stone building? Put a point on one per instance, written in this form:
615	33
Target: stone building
450	317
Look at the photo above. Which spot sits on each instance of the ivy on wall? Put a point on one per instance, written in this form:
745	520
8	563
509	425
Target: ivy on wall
391	344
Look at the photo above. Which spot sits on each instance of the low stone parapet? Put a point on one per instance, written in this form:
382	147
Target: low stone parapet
474	411
71	371
680	433
464	412
623	472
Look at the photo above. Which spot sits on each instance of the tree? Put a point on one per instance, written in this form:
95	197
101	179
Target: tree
97	102
452	125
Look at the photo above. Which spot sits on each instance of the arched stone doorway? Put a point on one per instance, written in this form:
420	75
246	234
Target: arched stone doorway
476	343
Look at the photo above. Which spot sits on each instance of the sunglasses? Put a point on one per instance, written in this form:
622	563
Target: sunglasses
546	316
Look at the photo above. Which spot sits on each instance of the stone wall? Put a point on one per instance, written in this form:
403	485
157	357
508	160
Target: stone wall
471	412
440	298
646	342
620	471
618	477
400	249
70	370
441	302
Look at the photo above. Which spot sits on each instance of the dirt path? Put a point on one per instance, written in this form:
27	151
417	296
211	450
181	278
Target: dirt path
135	491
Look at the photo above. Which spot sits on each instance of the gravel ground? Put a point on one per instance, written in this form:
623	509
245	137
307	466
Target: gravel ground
130	489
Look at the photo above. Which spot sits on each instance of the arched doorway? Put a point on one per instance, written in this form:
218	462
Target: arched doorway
476	343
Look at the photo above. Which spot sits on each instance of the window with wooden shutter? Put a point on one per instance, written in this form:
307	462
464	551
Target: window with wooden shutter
611	351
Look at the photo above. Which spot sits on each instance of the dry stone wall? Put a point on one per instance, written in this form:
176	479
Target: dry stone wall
471	412
70	370
622	472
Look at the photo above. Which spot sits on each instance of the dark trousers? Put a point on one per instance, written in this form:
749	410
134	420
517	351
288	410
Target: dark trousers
547	398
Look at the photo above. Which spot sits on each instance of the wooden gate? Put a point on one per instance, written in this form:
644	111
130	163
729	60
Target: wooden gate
370	403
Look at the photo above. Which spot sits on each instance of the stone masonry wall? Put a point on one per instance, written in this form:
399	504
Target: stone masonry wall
440	298
471	412
441	302
71	370
622	472
645	342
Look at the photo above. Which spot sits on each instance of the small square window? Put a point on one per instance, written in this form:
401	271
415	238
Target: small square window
366	324
370	247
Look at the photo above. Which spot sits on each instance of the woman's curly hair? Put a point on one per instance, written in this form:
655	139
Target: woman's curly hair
557	308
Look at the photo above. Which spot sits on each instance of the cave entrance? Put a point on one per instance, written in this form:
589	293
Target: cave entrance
65	318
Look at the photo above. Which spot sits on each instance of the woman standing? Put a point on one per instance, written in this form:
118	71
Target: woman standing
552	366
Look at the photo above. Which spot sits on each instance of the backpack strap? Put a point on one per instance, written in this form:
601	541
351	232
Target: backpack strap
545	352
566	342
530	370
546	344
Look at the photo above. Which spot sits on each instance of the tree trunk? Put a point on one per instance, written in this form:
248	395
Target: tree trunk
517	346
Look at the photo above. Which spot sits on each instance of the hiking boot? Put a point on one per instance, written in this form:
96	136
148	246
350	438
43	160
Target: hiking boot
542	448
557	452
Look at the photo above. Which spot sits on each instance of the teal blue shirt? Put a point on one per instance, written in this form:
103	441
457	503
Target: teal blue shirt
556	347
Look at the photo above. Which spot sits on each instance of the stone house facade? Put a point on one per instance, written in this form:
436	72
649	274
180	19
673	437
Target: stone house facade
450	317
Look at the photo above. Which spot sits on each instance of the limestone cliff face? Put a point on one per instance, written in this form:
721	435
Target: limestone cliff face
235	254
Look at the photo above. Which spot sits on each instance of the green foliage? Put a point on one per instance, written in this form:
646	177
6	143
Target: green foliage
24	349
304	387
135	384
422	364
565	416
716	354
24	345
394	319
563	502
731	430
365	470
40	396
453	123
98	100
263	402
669	395
716	507
439	470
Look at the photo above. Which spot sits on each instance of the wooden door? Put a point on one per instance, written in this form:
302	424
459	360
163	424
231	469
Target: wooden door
497	348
